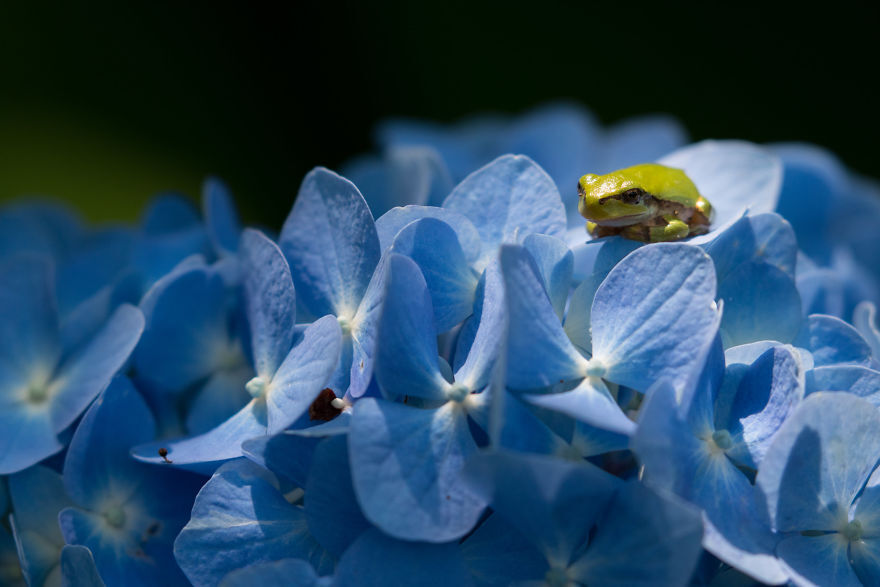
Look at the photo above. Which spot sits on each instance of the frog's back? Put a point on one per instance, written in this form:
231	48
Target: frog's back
667	183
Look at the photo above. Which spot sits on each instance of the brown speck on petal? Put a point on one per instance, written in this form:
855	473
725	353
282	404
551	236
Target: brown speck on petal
321	408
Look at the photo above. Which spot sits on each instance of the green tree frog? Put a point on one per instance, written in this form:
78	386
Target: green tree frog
647	202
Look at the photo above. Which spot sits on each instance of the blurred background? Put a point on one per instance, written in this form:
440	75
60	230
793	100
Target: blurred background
103	104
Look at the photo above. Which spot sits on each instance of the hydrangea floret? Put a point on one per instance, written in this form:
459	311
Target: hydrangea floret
433	375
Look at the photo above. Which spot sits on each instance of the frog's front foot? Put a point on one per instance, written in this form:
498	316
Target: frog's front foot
674	230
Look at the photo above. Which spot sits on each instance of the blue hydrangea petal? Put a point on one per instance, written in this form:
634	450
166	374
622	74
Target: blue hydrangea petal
817	560
864	555
589	402
767	394
577	320
221	217
664	534
732	175
98	463
330	240
392	222
553	503
761	302
270	301
28	436
288	571
523	431
865	321
407	358
748	549
775	240
509	199
288	456
304	373
205	452
331	505
37	496
406	464
154	256
867	507
539	352
44	227
96	264
240	518
433	245
364	332
483	353
497	554
186	332
218	400
28	314
855	379
87	373
366	563
555	264
653	314
819	461
832	341
167	213
78	567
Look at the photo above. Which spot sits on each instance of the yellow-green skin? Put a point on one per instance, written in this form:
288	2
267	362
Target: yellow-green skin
647	202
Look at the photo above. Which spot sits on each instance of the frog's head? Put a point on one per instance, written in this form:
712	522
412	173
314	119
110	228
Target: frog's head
612	200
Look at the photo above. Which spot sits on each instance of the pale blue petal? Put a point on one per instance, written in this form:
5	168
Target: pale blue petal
485	349
433	245
553	503
288	571
734	176
761	302
577	320
393	221
509	199
407	358
84	375
186	332
589	402
854	379
406	466
330	240
864	556
364	332
78	567
330	503
205	452
865	321
753	555
539	352
304	373
28	315
270	301
819	461
221	217
497	554
168	212
654	314
555	264
867	507
288	456
218	400
523	431
27	436
818	560
37	496
240	518
768	393
376	560
643	538
775	241
832	341
98	464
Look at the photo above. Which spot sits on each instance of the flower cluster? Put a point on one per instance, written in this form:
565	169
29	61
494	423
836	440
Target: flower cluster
432	376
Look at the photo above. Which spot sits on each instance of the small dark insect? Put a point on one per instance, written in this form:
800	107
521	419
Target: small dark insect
322	408
163	452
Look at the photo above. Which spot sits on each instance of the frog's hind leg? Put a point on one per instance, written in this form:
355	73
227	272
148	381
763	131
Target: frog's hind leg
675	229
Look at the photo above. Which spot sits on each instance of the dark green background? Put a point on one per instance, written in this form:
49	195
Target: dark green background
104	104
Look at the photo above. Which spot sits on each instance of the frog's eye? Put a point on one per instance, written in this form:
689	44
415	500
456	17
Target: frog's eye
633	196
